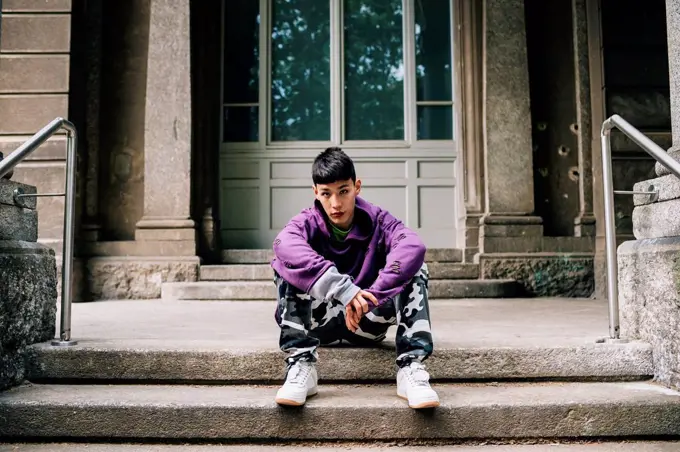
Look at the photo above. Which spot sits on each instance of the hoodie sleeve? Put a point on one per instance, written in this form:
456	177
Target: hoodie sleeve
301	266
405	257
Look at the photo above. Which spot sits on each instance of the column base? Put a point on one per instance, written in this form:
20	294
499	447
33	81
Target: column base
166	228
90	232
501	234
584	225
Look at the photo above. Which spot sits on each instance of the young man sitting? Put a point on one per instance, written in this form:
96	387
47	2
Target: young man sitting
346	270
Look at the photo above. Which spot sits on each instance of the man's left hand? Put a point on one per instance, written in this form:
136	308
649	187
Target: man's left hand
356	309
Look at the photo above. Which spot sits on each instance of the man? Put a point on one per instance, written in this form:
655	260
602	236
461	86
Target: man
346	270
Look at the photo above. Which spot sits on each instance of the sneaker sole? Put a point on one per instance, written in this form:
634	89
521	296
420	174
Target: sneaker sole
421	406
289	402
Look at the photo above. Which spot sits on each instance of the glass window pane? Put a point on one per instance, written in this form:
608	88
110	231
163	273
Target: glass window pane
433	49
435	123
241	51
374	70
300	70
240	124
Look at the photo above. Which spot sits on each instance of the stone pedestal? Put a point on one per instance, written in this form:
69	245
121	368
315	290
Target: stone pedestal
28	284
649	296
649	268
167	133
509	187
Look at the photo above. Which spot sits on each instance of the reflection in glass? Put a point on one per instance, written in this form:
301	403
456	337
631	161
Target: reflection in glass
374	70
300	43
433	50
240	124
435	123
241	51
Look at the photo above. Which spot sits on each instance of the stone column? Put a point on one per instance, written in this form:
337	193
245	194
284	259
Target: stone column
673	32
584	223
508	155
167	134
91	222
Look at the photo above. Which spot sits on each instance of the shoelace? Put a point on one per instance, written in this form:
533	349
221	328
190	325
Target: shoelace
418	375
301	372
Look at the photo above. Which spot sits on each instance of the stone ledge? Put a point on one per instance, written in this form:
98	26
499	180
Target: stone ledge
105	361
657	220
357	413
543	274
113	278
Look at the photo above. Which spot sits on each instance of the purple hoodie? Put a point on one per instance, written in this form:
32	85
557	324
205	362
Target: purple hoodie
379	254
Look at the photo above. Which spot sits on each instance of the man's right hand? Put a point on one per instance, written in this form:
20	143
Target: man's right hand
356	309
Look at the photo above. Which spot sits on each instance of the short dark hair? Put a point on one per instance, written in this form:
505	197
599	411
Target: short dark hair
332	165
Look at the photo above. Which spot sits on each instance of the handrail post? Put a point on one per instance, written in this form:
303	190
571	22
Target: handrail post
610	233
661	156
69	238
8	164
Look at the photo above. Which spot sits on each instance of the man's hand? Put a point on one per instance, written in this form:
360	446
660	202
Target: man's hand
356	309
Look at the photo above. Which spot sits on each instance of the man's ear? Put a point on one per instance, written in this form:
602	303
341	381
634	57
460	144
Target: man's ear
357	186
316	190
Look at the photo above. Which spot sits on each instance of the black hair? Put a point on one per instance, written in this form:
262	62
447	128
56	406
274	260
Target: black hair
332	165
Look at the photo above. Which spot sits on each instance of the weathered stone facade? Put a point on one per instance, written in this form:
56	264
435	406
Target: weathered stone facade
140	84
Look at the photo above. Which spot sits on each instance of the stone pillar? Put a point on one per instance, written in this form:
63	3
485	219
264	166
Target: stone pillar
166	224
649	267
507	132
584	223
673	32
28	283
91	223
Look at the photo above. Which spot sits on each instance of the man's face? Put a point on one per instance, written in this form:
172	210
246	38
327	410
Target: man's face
338	201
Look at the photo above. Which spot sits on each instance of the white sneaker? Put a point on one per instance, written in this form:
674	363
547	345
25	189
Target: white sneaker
413	384
301	382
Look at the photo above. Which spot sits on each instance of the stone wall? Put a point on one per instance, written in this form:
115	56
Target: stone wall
34	87
28	284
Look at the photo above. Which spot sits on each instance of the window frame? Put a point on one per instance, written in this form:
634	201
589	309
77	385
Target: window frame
337	97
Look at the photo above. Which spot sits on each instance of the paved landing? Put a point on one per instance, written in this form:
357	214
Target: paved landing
537	322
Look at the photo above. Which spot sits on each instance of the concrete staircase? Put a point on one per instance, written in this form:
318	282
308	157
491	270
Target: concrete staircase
247	275
508	372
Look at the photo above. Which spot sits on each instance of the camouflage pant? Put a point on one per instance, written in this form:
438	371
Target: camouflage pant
307	323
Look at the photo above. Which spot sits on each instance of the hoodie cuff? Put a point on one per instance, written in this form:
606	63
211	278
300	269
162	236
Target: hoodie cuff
333	284
347	293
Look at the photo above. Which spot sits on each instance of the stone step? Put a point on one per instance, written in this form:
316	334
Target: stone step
221	362
263	272
372	446
265	256
493	411
265	290
667	186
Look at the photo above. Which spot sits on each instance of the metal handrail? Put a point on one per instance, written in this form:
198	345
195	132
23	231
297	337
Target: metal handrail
12	160
661	156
